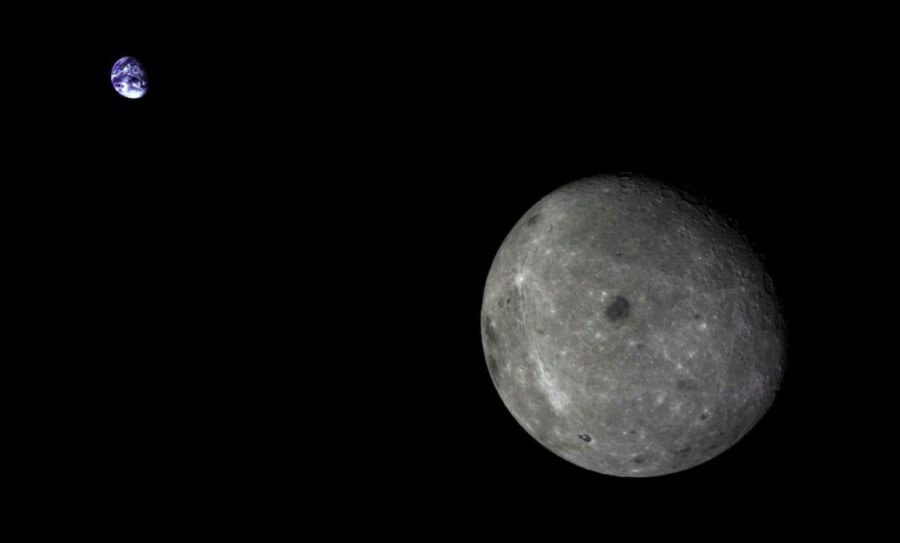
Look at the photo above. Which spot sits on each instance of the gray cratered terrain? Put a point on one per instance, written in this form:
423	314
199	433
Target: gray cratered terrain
630	329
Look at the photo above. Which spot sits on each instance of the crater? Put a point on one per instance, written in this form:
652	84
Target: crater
584	437
704	416
512	298
618	309
687	385
492	365
533	220
684	451
639	459
489	331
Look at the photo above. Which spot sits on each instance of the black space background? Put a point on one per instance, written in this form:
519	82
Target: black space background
258	288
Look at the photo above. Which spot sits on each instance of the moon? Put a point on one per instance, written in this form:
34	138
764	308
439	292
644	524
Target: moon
128	78
630	328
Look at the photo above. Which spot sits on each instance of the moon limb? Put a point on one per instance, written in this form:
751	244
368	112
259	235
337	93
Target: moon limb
630	329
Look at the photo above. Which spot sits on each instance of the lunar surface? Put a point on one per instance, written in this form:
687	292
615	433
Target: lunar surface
630	329
128	78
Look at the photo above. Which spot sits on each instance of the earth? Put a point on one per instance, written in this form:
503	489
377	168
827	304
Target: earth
128	78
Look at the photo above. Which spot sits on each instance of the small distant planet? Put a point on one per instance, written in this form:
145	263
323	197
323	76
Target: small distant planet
128	78
630	328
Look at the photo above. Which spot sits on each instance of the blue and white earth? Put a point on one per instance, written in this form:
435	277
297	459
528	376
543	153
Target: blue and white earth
128	78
